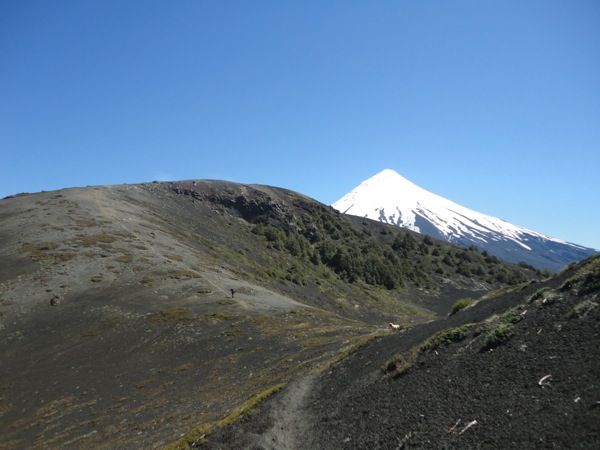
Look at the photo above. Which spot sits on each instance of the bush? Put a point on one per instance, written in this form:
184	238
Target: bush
498	336
461	304
538	294
512	316
447	337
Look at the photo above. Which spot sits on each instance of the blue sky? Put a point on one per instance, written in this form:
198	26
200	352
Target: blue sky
494	105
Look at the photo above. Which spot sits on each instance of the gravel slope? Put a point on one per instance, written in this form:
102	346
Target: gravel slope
538	389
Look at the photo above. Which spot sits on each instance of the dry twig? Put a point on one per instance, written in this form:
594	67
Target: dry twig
543	381
451	430
469	425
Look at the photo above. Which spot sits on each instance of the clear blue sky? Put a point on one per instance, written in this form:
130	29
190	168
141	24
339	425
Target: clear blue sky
494	105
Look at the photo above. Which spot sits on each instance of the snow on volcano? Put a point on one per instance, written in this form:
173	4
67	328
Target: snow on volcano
388	197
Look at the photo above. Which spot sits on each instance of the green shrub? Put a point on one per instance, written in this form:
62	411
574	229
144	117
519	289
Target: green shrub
399	364
538	294
461	304
498	336
512	316
590	281
446	337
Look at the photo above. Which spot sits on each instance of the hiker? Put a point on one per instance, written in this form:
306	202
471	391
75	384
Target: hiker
232	292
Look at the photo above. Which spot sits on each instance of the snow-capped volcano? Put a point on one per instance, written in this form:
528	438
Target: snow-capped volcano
390	198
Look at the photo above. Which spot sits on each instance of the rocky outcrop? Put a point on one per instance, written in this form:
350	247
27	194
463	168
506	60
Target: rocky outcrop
252	205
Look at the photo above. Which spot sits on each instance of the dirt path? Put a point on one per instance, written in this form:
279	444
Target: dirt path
283	423
290	425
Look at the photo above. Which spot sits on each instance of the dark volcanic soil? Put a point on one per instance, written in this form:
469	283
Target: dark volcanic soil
118	329
538	389
117	324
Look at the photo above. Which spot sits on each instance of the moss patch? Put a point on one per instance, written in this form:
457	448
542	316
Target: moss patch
170	316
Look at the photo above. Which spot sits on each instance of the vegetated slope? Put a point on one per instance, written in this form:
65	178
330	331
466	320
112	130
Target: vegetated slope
519	370
390	198
119	327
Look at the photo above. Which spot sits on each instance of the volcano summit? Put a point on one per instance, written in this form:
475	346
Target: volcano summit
391	198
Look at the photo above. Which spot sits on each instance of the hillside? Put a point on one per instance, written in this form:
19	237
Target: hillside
518	370
119	326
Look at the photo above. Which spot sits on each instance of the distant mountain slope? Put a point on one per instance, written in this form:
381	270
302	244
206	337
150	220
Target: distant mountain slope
390	198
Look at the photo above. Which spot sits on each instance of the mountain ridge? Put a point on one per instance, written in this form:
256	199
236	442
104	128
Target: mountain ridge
391	198
191	297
